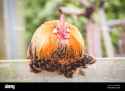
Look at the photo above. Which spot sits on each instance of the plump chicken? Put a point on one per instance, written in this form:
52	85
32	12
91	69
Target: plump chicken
58	46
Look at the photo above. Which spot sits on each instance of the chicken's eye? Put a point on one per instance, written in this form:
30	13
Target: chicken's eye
55	31
67	30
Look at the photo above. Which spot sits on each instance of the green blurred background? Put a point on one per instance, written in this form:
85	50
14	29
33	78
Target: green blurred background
36	12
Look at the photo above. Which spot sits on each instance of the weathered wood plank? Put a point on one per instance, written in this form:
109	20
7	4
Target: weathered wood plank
101	71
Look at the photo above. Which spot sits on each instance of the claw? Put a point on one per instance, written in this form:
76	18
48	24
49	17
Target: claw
79	71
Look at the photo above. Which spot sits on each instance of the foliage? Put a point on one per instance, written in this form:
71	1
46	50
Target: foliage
115	9
38	11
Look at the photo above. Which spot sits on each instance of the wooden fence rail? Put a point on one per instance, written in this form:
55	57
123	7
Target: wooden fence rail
104	70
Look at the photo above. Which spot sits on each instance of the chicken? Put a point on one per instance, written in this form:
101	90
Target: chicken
58	46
